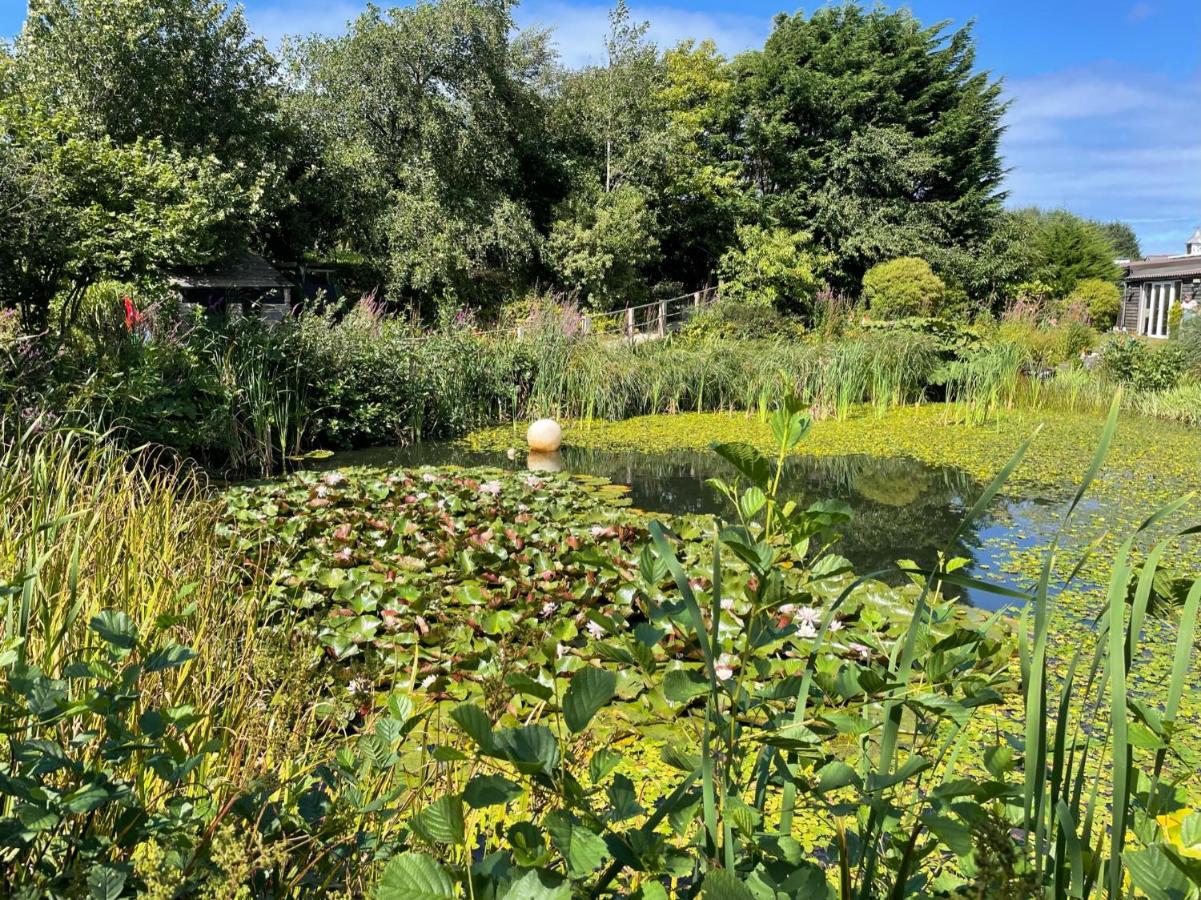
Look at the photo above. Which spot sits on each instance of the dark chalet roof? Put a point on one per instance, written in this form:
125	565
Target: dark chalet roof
242	270
1164	267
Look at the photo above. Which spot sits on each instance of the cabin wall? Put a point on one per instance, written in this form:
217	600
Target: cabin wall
1128	319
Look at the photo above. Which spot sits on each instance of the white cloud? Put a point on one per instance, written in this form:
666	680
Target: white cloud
1108	143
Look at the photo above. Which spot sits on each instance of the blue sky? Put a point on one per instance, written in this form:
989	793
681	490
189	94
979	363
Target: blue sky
1106	96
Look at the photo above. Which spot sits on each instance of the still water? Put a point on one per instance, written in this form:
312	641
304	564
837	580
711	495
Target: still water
902	508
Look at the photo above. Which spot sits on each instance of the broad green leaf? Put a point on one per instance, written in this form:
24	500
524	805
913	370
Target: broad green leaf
116	628
590	689
722	884
415	876
105	882
583	850
475	723
748	461
442	821
531	748
489	790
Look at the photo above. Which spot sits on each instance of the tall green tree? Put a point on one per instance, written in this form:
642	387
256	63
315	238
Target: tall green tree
1122	238
423	112
1070	249
875	132
76	209
188	73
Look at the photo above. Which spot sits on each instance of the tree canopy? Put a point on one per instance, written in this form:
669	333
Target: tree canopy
459	163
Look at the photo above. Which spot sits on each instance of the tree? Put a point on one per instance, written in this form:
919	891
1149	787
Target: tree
186	72
1070	249
835	95
599	245
75	209
770	267
422	109
903	287
1122	238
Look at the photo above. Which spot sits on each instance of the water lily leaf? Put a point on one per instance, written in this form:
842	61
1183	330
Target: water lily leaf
414	876
682	685
590	689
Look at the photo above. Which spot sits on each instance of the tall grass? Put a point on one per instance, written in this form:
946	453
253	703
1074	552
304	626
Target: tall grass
614	379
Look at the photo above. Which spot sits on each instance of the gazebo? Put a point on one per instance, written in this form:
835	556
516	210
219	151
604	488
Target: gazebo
243	281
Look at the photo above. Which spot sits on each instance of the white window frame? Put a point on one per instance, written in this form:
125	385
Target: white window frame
1155	302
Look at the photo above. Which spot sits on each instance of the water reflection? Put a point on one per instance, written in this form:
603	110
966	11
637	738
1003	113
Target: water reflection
903	508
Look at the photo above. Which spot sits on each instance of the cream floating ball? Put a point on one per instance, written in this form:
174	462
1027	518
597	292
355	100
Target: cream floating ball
544	436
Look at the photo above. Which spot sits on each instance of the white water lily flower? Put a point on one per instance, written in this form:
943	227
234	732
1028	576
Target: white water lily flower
333	479
549	608
863	650
724	667
595	629
428	680
836	625
490	487
788	609
533	481
810	615
423	496
727	603
806	630
429	477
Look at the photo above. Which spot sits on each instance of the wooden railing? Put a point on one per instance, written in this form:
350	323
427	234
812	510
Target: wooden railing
647	320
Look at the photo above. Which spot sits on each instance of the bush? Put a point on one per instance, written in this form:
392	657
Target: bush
1188	336
770	267
903	287
1101	298
1145	368
728	320
1048	346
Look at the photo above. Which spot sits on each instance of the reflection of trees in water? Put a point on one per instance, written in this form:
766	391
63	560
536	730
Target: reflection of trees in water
903	508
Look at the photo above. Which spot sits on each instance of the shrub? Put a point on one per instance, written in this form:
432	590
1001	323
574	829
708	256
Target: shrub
740	321
901	287
1188	337
1145	368
1101	298
770	267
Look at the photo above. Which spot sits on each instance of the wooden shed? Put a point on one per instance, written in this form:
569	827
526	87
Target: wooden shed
243	282
1153	286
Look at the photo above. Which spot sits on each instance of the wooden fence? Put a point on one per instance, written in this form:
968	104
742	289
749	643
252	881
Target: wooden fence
648	320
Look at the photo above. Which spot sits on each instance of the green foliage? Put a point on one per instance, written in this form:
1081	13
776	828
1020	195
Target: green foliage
600	244
1101	298
1069	250
423	111
1141	365
903	287
75	210
770	267
898	153
739	321
1122	238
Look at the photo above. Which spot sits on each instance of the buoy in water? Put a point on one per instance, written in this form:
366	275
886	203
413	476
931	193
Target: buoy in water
544	436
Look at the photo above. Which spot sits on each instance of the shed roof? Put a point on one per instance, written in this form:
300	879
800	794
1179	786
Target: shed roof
243	270
1164	267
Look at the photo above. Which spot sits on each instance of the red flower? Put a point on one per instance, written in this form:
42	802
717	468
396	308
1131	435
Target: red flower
133	318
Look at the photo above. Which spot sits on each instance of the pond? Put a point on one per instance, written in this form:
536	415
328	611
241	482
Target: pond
903	508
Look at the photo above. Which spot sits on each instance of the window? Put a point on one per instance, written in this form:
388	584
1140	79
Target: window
1154	305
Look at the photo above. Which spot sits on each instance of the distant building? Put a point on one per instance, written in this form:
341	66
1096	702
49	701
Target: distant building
1154	285
243	282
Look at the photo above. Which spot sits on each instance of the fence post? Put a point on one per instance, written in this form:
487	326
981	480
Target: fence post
662	318
519	332
587	324
696	300
629	321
